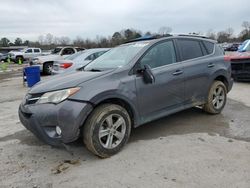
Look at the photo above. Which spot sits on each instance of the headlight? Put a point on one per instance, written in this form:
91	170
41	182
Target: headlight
57	96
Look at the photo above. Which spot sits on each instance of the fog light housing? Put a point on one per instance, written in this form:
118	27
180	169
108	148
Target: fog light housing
58	130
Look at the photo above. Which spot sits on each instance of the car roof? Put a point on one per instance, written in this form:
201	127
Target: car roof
154	39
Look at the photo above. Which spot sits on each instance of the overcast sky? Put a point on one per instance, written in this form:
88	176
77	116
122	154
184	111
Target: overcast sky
87	18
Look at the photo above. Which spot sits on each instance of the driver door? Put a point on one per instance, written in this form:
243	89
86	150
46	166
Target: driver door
166	93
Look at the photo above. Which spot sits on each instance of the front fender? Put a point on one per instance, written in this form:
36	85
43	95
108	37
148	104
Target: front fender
129	100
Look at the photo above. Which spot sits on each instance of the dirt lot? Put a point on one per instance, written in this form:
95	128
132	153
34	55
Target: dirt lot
188	149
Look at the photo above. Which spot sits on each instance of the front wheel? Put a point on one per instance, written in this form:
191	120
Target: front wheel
217	98
19	59
107	130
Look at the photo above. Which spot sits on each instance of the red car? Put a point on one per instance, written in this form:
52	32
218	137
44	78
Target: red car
240	63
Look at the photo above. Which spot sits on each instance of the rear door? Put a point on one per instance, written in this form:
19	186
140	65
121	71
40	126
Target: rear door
195	66
166	93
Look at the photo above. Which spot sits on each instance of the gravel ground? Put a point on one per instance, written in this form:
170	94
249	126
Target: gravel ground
187	149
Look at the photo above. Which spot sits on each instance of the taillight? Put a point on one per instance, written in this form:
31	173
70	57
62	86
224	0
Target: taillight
65	65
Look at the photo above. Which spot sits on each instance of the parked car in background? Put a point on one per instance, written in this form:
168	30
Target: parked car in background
59	53
232	47
240	63
126	87
25	54
245	47
4	57
77	60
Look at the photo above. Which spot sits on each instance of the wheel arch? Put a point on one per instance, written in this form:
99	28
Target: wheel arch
222	76
122	102
223	79
44	63
119	100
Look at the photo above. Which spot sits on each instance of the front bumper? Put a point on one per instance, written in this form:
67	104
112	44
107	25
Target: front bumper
241	69
241	75
42	119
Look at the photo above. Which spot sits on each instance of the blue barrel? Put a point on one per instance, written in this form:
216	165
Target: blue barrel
32	75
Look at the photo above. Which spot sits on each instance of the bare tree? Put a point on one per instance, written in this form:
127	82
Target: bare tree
41	39
246	25
64	40
165	30
211	34
230	32
79	41
49	39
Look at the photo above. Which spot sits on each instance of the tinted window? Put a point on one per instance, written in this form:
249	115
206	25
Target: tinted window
160	55
190	48
36	50
56	51
209	46
204	50
29	51
99	54
90	57
68	51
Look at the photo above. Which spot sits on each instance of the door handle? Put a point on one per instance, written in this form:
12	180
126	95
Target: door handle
177	72
210	65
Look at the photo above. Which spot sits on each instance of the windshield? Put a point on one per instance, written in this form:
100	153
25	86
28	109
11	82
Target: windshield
74	56
242	46
116	57
56	51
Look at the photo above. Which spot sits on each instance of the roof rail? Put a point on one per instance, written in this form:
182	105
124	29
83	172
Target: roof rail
192	35
148	37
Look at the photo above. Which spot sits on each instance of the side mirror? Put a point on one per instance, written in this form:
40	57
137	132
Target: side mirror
148	75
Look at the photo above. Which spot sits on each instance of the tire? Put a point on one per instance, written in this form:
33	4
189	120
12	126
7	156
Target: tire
47	68
217	98
19	58
97	131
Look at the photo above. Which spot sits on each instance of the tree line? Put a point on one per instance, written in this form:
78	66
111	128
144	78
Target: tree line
49	41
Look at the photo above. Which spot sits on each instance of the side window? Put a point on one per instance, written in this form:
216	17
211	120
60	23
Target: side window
160	55
90	57
36	50
97	54
204	50
68	51
190	49
209	46
28	51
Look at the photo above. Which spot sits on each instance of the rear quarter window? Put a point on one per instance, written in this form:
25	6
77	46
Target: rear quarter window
189	49
209	46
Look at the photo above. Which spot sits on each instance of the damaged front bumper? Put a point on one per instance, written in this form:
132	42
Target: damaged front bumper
241	69
42	120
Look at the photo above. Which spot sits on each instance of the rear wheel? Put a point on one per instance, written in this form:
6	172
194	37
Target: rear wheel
19	59
217	98
47	68
107	130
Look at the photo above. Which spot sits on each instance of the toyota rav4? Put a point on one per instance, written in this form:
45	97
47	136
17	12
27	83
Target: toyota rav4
128	86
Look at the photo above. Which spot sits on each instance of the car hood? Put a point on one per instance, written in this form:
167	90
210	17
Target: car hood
51	57
239	56
67	80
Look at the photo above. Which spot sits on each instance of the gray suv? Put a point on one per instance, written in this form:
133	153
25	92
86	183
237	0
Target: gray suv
128	86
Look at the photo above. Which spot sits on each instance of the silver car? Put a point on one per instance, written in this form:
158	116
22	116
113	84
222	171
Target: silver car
77	60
